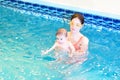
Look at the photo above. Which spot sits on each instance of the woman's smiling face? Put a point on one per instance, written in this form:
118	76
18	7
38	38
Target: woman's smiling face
75	25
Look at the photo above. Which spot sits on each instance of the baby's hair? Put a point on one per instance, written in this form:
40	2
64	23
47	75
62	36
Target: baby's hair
79	16
61	31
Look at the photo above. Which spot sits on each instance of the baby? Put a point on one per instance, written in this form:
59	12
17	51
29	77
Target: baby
62	44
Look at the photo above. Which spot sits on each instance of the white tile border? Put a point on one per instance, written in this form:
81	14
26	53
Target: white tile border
93	7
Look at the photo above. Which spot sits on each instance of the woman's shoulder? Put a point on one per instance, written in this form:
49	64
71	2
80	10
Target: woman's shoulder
85	39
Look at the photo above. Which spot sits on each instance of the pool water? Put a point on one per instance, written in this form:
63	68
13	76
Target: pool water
24	36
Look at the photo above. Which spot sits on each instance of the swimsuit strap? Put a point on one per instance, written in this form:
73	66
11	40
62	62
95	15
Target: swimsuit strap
79	40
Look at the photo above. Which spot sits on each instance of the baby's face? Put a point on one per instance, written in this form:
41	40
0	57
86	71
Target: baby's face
75	25
61	38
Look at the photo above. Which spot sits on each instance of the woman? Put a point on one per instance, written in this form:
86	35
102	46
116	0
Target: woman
79	41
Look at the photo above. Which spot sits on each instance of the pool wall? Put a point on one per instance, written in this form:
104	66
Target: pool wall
64	12
104	7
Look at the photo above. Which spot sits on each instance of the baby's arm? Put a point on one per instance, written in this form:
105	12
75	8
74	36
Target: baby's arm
52	48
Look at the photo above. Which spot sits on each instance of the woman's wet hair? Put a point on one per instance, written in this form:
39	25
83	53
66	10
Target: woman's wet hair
79	16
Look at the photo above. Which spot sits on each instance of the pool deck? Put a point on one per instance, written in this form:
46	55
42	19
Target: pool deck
109	8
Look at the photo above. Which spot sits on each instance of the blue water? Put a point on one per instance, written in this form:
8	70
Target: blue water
24	36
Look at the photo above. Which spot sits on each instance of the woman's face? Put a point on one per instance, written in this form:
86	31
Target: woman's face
75	25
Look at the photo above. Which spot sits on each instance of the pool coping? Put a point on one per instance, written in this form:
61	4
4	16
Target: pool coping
90	18
67	7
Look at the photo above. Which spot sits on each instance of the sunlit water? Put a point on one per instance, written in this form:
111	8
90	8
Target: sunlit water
24	36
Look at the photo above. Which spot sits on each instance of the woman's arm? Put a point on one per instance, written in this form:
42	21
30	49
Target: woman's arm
84	45
72	49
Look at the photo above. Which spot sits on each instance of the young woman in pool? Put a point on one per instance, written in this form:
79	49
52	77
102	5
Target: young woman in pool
62	45
79	41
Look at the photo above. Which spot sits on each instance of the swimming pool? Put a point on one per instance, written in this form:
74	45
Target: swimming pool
25	32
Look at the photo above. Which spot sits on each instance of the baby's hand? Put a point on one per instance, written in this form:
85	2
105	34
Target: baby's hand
44	52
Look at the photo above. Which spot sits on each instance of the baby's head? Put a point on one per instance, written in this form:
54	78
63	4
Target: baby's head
62	31
61	35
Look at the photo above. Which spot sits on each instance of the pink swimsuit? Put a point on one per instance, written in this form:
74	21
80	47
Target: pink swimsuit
77	44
